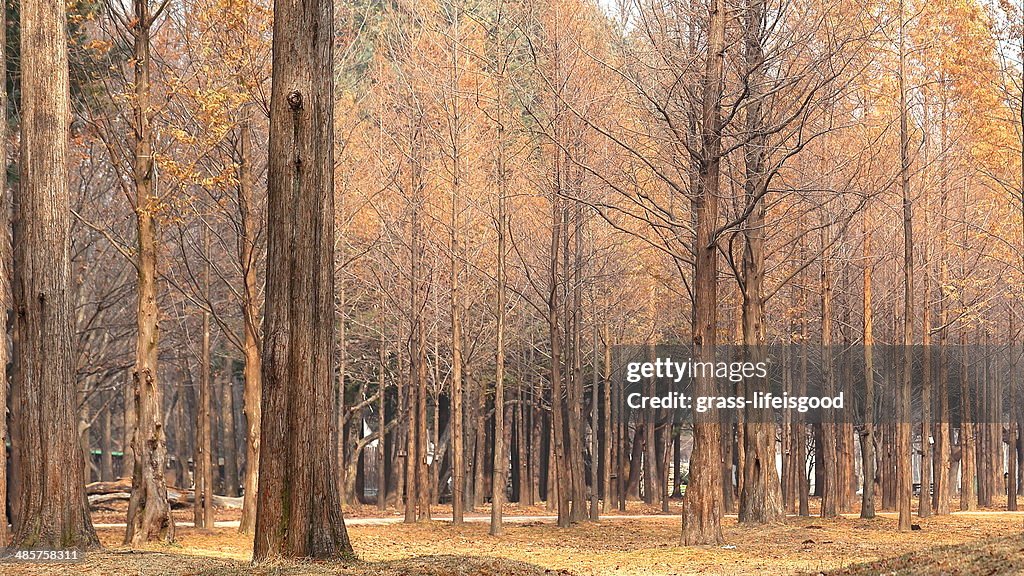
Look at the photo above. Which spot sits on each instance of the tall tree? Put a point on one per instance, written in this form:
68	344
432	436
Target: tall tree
203	505
903	424
5	276
761	491
299	510
702	503
52	508
149	514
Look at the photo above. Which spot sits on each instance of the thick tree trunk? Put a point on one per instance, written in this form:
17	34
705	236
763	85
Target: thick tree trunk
52	509
299	511
5	285
702	505
760	498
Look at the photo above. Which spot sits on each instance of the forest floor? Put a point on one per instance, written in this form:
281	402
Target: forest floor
640	543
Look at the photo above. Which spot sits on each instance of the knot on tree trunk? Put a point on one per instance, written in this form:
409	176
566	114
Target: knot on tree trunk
295	100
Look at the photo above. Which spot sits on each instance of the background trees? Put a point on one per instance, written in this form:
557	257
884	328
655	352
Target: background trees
518	186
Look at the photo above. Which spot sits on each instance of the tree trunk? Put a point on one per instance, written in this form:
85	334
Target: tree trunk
867	438
760	498
609	424
903	425
382	421
500	467
203	505
558	465
5	283
251	316
52	508
229	432
702	505
149	514
299	511
826	440
943	484
107	459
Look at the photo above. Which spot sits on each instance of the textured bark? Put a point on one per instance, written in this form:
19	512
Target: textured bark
299	512
652	486
456	265
149	514
702	505
594	444
801	427
760	498
52	508
572	259
5	278
925	502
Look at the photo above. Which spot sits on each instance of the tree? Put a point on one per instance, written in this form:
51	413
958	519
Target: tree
149	514
203	505
299	512
903	415
52	508
5	276
702	504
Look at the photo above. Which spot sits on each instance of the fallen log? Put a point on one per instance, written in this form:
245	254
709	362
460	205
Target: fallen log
103	492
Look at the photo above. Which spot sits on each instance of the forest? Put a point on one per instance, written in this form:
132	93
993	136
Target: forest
366	286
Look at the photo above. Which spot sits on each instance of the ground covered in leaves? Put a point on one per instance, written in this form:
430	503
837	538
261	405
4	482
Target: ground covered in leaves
988	543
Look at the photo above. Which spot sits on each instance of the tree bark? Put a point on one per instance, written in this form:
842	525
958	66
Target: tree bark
760	499
702	504
299	511
149	514
5	282
52	508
